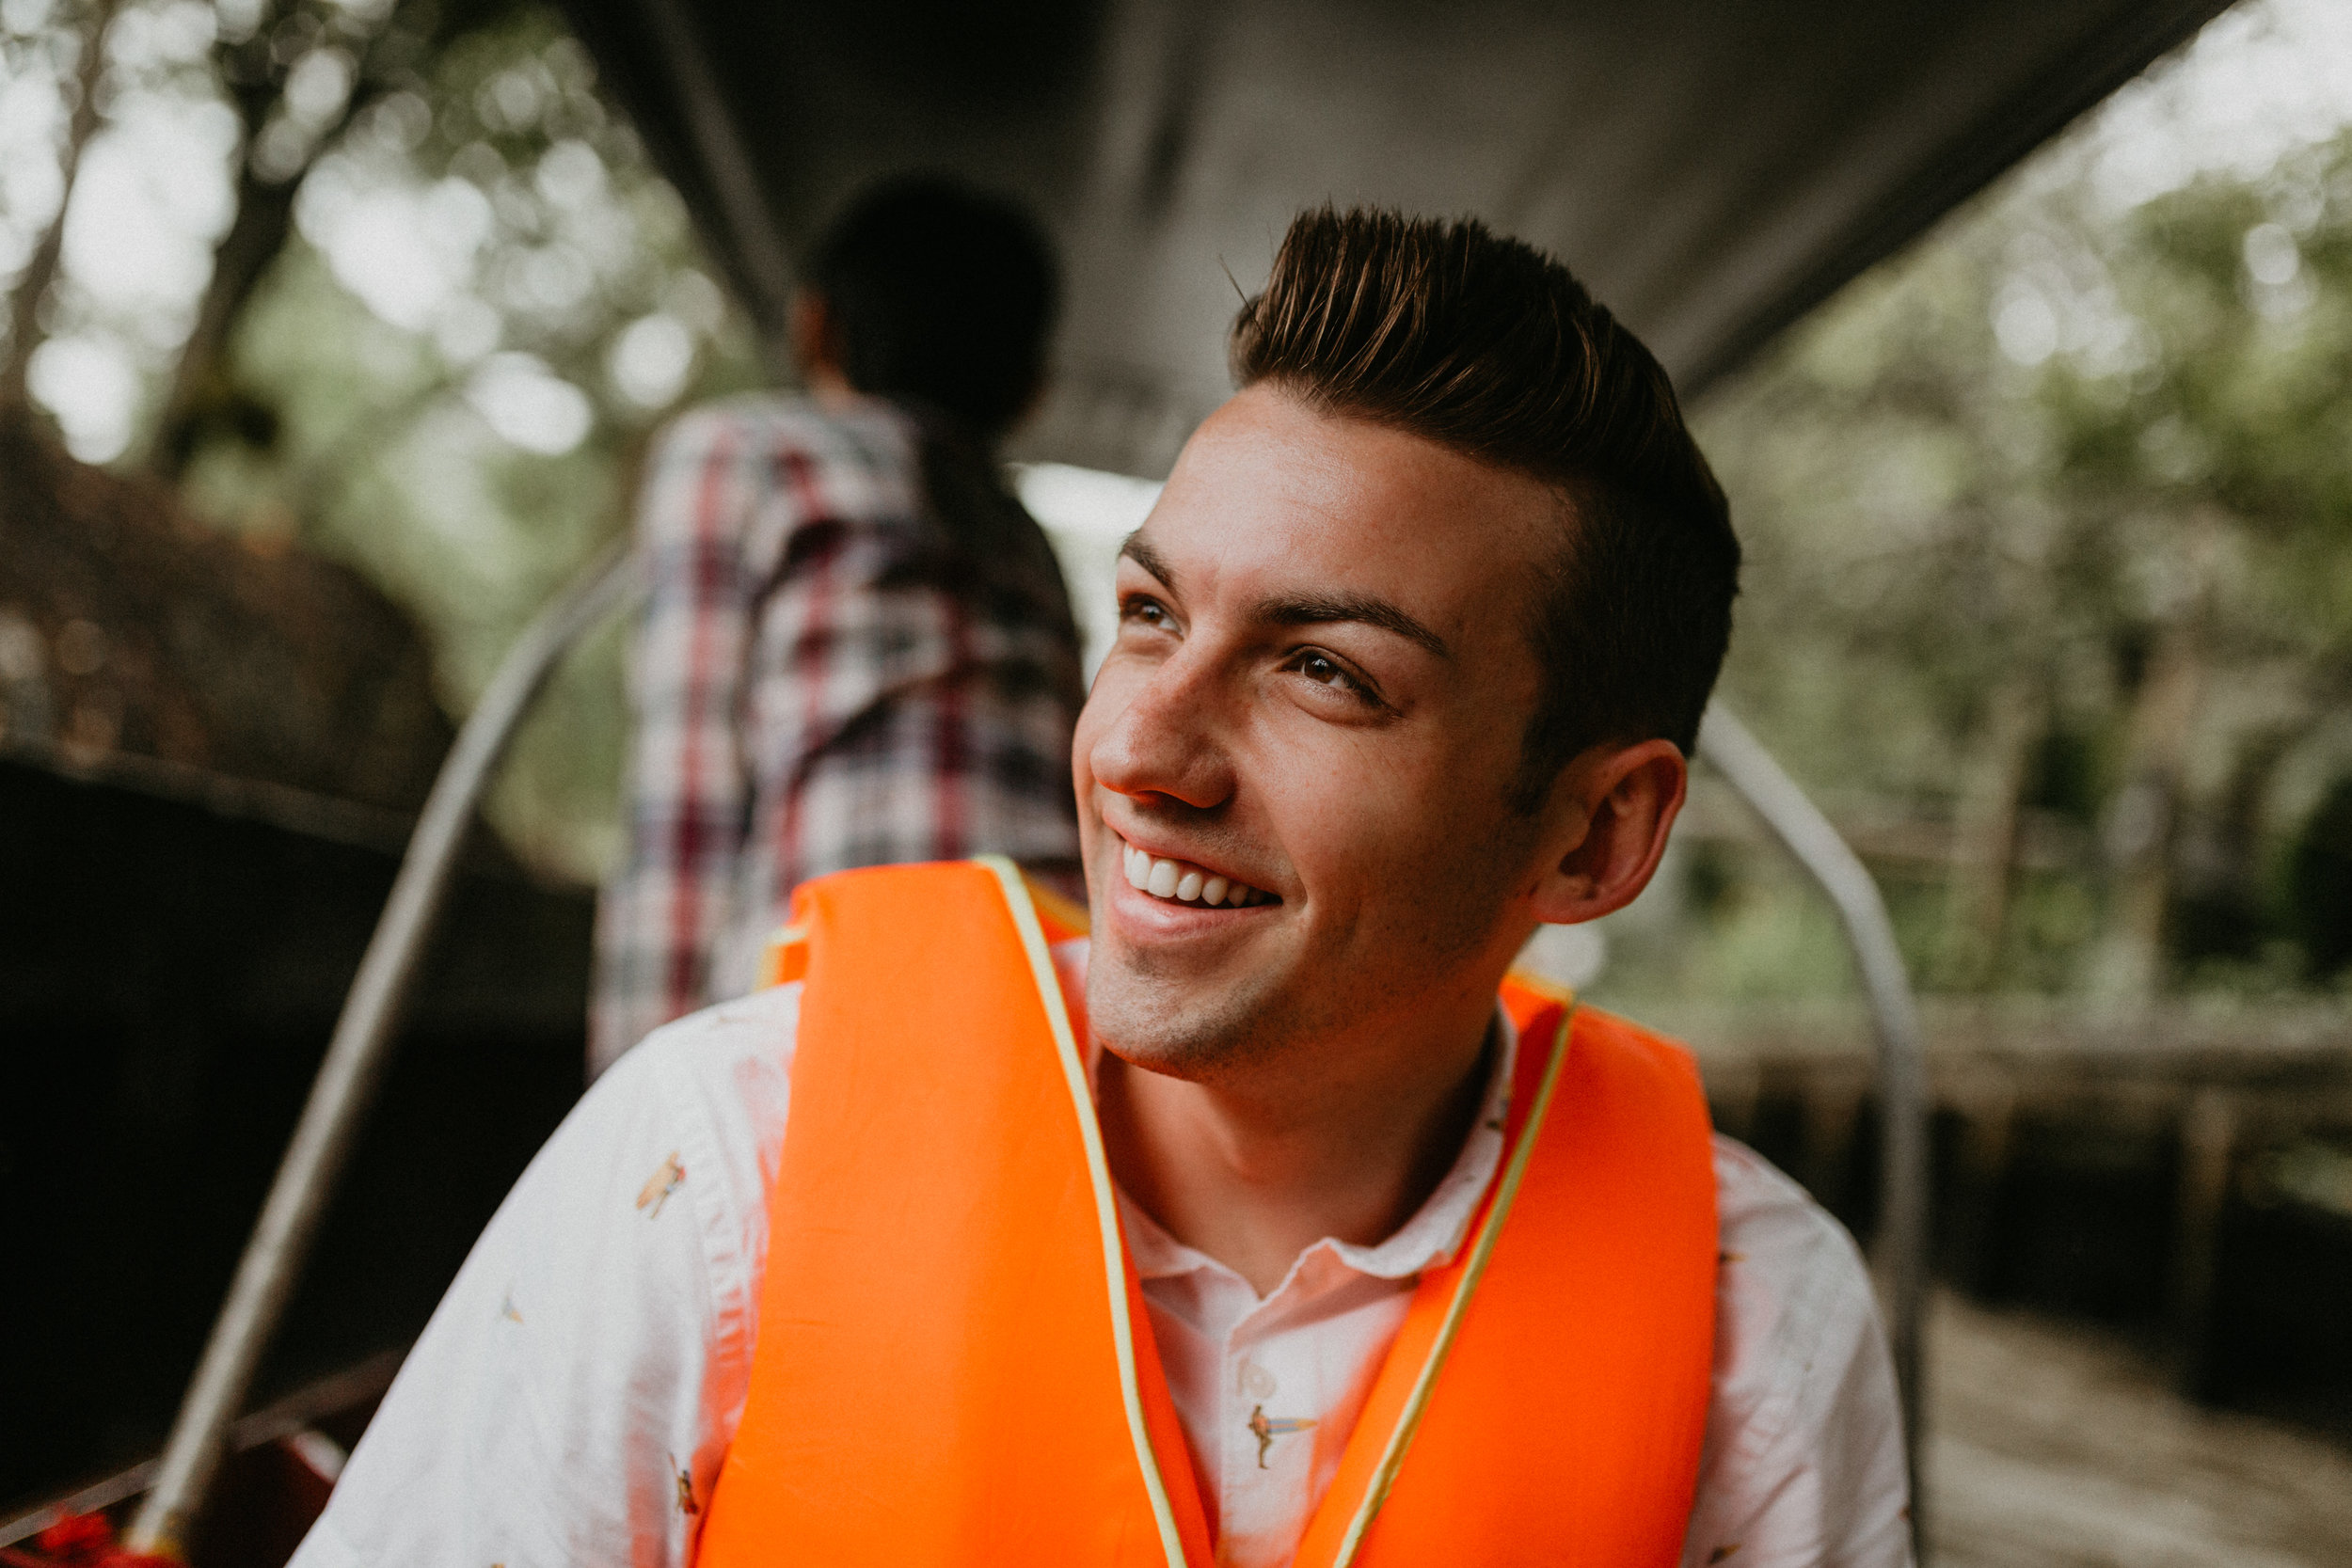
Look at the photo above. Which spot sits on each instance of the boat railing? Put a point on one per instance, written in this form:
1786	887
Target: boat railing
356	1057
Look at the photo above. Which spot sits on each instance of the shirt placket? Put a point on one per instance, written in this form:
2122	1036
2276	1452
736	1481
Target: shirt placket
1271	1402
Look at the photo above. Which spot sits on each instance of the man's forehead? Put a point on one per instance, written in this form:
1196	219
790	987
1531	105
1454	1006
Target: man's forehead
1273	496
1273	444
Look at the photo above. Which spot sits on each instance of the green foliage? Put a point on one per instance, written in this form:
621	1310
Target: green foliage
2087	465
392	448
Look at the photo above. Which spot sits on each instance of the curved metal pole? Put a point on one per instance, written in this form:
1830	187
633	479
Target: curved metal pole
274	1253
1725	744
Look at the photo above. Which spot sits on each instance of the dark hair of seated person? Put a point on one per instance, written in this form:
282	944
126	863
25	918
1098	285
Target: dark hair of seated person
941	296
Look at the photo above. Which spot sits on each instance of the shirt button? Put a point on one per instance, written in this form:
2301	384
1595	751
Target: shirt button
1256	1381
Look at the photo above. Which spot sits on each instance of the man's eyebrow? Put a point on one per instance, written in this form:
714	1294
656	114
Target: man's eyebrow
1138	549
1312	609
1306	610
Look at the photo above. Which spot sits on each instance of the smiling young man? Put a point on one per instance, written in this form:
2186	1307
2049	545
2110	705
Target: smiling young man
1270	1221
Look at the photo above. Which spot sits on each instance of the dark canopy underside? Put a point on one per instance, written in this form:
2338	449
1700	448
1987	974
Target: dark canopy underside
1710	168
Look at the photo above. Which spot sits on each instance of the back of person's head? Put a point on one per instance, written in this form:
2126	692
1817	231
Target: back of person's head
940	295
1488	347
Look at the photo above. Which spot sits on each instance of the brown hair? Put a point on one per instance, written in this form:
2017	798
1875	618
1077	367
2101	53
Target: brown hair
1485	345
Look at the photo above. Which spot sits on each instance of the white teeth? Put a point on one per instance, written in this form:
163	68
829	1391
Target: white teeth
1190	884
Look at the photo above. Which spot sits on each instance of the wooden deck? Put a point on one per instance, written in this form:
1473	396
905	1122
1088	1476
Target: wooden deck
2055	1446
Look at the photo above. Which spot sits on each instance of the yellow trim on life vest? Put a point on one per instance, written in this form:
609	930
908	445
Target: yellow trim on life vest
1393	1457
1018	895
1551	990
1060	910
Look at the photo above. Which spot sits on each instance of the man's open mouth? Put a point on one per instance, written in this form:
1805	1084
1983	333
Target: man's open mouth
1182	882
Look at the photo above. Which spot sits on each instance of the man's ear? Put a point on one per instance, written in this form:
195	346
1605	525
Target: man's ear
1607	821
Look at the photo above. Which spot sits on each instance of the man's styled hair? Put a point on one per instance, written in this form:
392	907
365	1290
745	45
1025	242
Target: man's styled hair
1488	346
944	295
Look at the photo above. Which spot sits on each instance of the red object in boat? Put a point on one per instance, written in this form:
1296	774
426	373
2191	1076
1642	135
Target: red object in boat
82	1540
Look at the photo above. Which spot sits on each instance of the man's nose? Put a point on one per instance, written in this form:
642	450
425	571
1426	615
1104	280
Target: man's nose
1168	738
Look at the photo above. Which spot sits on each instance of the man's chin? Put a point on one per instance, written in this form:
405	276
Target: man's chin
1192	1028
1192	1061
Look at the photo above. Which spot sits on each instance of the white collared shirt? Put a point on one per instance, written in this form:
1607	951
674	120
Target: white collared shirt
572	1400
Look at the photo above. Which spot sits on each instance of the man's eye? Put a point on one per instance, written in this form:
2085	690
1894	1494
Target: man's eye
1149	612
1323	669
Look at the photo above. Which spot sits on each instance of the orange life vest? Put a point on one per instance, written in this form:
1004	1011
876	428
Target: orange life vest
954	1365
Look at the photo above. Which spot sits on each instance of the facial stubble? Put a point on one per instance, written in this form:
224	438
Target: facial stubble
1156	1015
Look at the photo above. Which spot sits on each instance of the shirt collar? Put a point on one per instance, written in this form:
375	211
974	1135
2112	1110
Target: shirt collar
1428	1240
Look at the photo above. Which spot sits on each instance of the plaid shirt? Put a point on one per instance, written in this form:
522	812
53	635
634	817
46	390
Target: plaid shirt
858	650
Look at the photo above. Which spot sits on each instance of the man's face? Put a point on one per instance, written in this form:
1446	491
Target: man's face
1318	694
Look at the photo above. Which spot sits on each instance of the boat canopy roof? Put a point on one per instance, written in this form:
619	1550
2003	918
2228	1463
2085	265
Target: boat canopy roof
1711	168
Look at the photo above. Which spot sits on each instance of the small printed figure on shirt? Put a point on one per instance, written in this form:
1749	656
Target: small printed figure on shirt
506	1306
686	1503
660	1185
1267	1430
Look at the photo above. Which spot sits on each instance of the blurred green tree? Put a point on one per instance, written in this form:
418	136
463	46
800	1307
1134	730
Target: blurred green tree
445	302
488	302
2051	529
298	73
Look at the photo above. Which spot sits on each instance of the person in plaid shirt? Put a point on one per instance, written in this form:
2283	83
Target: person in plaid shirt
858	647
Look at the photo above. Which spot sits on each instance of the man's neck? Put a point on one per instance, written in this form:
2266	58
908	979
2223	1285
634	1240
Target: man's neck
1254	1174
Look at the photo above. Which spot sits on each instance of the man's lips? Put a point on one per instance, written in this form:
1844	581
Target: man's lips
1169	880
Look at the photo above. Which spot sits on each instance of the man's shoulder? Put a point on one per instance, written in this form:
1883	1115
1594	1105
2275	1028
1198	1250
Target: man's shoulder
1772	1217
1774	1220
1792	1277
1804	1449
729	1065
